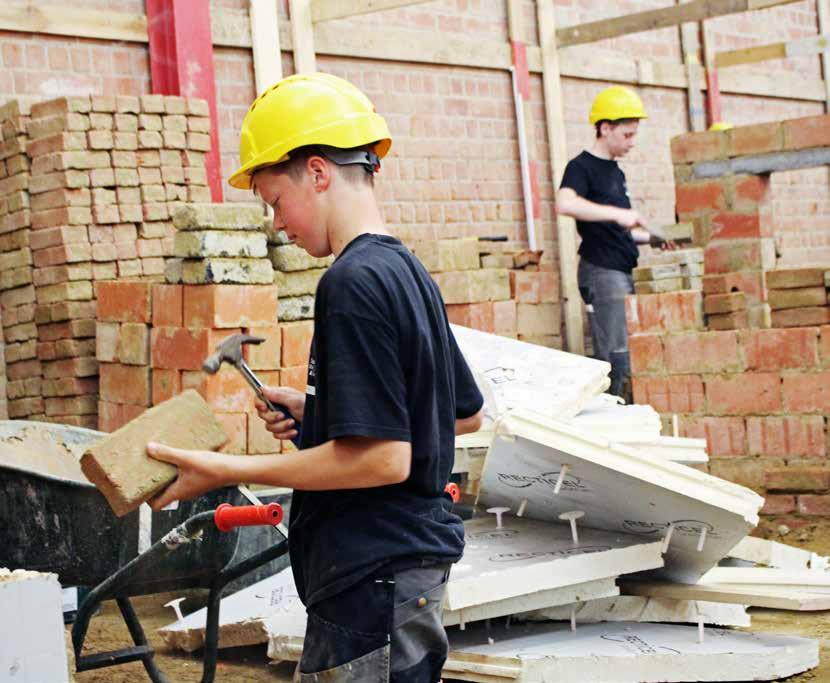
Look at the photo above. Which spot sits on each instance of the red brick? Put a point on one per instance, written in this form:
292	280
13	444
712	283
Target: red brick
534	287
112	416
225	392
134	344
230	305
749	191
724	435
479	316
798	479
124	301
699	147
179	348
264	356
646	353
168	306
756	139
808	316
824	346
782	348
685	394
776	504
727	256
724	303
68	367
235	425
702	352
807	392
165	384
732	225
260	440
814	505
791	435
505	317
295	377
296	342
125	384
695	197
743	394
809	131
670	312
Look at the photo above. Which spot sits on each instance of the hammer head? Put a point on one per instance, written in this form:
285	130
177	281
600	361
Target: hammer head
229	351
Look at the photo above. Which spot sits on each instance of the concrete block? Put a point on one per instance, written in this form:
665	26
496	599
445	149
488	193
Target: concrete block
797	297
219	243
296	308
119	465
792	278
290	258
448	255
227	271
299	282
661	286
218	217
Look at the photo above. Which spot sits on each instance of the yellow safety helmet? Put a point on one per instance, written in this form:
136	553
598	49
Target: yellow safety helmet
721	125
306	109
615	103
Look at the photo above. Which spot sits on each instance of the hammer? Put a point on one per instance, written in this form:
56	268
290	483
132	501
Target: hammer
230	351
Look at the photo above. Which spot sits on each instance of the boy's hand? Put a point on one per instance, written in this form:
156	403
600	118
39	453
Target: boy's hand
199	472
629	219
280	425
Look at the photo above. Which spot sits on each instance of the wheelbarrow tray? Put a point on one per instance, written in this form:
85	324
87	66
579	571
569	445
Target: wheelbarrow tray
63	524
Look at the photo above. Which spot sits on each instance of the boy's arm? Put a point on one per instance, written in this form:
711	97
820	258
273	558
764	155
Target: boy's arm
468	425
343	463
569	203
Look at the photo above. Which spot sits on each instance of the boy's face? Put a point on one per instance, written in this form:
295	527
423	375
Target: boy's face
296	209
620	138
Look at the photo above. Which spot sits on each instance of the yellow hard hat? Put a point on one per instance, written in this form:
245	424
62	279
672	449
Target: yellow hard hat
721	125
615	103
306	109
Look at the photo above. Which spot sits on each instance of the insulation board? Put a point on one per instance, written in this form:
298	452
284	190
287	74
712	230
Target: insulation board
620	490
623	653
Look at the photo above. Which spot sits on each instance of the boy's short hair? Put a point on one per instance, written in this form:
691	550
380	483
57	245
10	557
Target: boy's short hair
354	173
613	124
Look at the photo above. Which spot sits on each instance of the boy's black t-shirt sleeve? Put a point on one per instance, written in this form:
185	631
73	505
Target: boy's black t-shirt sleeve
366	388
575	177
468	398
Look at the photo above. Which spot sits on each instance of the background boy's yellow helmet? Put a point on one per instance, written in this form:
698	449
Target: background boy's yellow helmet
615	103
306	109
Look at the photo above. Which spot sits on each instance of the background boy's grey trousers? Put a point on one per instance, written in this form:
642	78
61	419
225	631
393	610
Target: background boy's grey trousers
605	290
385	629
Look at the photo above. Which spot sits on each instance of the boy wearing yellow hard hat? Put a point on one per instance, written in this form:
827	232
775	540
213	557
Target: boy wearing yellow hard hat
594	192
372	534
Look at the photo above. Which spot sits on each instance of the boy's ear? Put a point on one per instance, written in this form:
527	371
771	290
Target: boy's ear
320	172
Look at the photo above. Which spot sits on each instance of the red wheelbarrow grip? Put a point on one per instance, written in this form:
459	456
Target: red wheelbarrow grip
454	491
228	517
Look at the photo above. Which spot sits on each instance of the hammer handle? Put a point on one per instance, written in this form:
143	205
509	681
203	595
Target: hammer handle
257	386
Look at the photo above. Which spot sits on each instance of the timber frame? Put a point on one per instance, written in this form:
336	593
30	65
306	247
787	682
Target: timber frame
564	51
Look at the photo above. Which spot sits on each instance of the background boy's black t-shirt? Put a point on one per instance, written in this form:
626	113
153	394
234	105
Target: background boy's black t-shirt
604	243
384	364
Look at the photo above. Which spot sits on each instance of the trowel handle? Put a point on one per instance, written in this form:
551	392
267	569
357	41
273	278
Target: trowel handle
228	517
454	491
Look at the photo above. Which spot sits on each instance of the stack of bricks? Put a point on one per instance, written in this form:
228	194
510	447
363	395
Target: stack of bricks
798	297
219	244
153	337
669	271
17	292
296	275
758	396
475	297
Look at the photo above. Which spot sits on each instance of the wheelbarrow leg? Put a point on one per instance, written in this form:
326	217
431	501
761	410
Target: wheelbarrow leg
211	651
137	633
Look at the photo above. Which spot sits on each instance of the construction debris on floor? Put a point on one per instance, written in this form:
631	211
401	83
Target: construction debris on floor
579	499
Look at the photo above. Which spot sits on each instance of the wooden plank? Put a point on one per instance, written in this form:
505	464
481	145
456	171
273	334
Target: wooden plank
690	46
69	21
325	10
555	118
750	55
823	10
265	39
697	10
302	34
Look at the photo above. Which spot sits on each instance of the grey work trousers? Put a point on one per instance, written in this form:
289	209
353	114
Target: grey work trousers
604	290
386	629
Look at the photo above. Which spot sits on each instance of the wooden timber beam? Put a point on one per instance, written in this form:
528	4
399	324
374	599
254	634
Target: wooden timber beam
823	12
814	45
566	226
697	10
265	39
232	29
325	10
302	36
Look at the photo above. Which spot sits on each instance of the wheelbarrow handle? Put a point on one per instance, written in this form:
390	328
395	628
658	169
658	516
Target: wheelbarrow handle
454	491
227	517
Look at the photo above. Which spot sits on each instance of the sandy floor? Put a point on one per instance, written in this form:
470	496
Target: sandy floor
250	664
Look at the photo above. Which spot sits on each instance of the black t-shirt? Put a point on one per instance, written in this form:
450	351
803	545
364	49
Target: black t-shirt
604	243
384	364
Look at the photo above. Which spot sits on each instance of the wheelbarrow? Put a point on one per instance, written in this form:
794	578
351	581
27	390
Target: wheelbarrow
56	521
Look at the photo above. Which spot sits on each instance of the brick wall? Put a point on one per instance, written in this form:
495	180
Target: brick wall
453	169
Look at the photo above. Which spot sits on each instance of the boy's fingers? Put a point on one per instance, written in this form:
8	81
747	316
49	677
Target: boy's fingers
164	453
164	498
